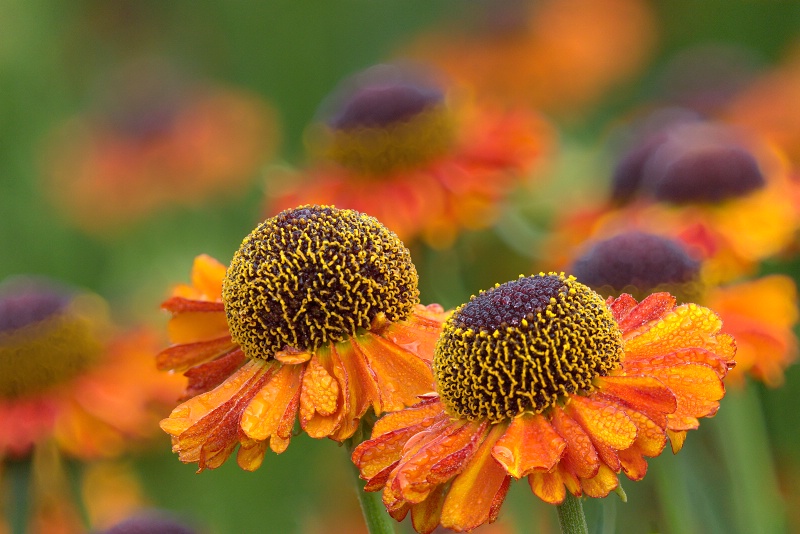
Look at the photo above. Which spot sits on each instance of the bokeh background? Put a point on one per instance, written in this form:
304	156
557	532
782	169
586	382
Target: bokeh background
128	65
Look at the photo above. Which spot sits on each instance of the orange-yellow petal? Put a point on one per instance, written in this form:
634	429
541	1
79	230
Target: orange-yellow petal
529	443
426	516
601	484
207	277
697	389
643	393
182	357
580	457
548	486
191	327
263	416
473	495
688	325
603	421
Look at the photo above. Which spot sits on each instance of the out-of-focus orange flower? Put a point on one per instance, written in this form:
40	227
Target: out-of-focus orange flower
769	106
157	143
425	162
316	318
70	387
558	55
760	314
726	197
541	378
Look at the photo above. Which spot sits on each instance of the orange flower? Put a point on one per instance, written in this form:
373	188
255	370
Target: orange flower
760	314
557	55
317	318
159	143
726	197
424	162
66	390
540	378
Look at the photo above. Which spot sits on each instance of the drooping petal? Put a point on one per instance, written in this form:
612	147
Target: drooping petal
427	515
263	416
196	326
603	421
643	393
321	396
601	484
529	443
211	374
184	356
548	486
473	495
697	389
580	457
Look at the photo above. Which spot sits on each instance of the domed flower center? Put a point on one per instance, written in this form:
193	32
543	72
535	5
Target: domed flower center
314	275
688	163
46	338
640	264
383	126
522	345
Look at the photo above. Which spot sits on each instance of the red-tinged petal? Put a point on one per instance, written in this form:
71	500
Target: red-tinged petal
639	393
191	327
449	452
548	486
262	417
211	374
633	463
400	375
676	440
696	387
399	513
206	428
580	457
352	403
251	454
420	332
426	409
207	276
499	498
374	455
529	443
319	399
426	516
182	357
180	305
603	421
473	493
688	325
678	357
601	484
651	308
621	306
363	383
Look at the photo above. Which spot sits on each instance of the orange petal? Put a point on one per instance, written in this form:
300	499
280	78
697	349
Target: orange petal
548	486
649	309
182	357
262	417
420	332
207	276
251	454
633	463
437	460
620	307
688	325
179	304
190	327
603	421
427	408
363	384
642	393
400	375
426	516
720	362
321	397
676	439
473	495
211	374
580	457
601	484
530	443
697	389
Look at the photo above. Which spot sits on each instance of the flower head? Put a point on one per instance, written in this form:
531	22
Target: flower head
397	142
316	318
540	378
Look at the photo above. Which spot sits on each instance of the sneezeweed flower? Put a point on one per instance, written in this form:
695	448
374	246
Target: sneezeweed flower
70	387
397	143
316	318
559	56
156	142
541	378
724	195
760	314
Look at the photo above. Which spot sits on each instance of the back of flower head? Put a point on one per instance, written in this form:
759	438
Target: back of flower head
402	143
541	378
317	318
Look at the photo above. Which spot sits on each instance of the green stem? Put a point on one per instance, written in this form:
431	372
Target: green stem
20	473
570	516
375	516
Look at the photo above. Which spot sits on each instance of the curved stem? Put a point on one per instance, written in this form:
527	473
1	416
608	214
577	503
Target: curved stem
375	516
570	516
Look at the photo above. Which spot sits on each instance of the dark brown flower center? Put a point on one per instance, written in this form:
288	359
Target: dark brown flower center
313	275
523	345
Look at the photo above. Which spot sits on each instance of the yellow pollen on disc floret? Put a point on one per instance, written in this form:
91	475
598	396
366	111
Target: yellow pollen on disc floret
523	345
314	275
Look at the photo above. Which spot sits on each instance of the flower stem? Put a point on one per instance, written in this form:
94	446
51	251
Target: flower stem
570	516
375	516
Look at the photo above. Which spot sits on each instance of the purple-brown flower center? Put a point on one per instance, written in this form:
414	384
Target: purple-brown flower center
523	345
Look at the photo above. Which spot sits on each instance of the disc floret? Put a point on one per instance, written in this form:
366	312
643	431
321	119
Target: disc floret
523	345
313	275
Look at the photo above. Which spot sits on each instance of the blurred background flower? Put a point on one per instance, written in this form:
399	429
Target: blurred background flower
138	134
